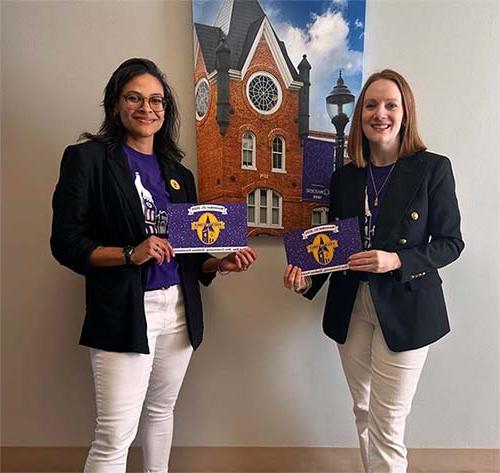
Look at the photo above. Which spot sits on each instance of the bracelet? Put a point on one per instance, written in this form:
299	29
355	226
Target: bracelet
219	267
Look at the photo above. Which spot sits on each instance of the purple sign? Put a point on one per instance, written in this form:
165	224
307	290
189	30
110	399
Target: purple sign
207	227
325	248
317	170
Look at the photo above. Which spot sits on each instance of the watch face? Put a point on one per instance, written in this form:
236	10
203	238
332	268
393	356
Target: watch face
127	252
202	94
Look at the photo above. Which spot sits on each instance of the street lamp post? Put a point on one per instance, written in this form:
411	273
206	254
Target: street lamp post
339	105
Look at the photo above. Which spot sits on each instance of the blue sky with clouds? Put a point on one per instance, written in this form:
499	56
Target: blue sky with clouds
330	32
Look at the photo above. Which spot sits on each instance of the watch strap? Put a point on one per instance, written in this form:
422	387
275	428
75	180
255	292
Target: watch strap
128	251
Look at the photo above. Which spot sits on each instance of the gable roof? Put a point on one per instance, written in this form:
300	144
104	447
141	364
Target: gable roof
209	38
244	15
289	62
253	29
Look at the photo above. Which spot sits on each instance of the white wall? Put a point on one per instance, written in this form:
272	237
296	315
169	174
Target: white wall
265	375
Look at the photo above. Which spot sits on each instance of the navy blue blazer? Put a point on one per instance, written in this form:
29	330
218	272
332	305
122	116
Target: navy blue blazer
418	219
96	203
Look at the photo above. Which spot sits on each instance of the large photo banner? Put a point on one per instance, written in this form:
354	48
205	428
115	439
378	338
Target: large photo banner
275	83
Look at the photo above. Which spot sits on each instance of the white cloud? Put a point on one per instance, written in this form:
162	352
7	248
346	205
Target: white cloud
339	3
358	23
271	10
324	40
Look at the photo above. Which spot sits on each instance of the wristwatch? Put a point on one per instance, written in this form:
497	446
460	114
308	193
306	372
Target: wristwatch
128	251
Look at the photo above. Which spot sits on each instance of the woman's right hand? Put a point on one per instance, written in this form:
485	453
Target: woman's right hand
153	247
293	279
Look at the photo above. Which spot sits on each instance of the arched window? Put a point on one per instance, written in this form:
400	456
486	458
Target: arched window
278	154
248	151
319	216
265	208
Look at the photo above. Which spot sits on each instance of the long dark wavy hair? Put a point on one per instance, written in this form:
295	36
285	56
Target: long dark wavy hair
112	130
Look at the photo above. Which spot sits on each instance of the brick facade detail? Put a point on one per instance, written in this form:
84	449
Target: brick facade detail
221	177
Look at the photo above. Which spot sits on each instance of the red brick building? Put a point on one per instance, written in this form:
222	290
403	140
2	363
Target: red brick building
252	111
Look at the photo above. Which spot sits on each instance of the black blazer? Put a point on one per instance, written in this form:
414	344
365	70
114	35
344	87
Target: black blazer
96	203
418	219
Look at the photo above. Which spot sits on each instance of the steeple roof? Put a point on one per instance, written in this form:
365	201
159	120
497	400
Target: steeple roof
239	21
224	16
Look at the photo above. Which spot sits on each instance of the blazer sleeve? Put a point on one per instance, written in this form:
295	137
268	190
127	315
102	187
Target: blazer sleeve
71	242
445	243
200	258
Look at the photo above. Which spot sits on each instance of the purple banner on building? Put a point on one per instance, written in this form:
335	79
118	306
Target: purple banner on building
323	249
207	227
317	170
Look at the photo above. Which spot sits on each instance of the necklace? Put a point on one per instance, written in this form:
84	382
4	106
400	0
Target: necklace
379	190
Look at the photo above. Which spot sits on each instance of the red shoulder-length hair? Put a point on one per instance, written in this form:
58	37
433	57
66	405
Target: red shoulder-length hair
410	141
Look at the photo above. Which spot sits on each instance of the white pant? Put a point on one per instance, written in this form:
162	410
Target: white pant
382	385
127	384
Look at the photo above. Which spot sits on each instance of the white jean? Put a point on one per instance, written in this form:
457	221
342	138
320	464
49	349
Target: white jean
128	384
382	385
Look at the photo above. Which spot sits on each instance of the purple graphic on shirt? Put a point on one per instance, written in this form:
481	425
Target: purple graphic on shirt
207	227
155	199
155	219
325	248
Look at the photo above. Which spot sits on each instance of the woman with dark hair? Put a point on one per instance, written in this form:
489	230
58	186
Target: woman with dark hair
143	305
387	309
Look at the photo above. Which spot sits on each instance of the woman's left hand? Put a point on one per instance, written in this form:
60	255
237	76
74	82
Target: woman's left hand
238	261
374	261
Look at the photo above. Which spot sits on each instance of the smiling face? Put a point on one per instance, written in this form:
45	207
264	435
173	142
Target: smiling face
140	121
382	115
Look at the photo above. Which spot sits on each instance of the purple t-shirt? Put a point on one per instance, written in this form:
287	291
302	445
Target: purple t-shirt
155	198
381	178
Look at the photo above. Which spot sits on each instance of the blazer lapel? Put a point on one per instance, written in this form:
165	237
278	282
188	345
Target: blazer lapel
404	183
118	164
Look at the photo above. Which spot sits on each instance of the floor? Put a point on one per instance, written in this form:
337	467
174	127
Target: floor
410	471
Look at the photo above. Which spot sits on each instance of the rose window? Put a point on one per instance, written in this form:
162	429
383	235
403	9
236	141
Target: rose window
264	93
202	98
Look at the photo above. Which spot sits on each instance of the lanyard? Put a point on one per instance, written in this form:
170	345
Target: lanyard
368	230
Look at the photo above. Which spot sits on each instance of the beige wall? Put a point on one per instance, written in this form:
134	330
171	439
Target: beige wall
266	375
56	59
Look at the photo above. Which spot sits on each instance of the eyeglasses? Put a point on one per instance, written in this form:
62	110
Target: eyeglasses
136	101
